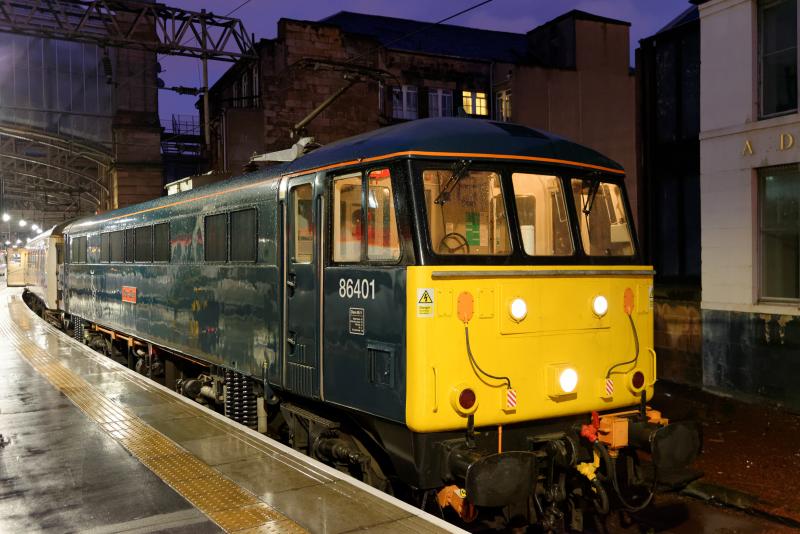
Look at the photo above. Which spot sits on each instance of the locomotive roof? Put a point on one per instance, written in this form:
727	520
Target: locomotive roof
457	136
424	138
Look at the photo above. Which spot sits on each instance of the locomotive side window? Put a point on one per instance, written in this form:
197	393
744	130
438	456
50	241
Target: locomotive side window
161	250
78	250
216	237
129	245
383	243
243	235
542	214
603	218
117	241
105	250
144	244
466	212
347	217
303	235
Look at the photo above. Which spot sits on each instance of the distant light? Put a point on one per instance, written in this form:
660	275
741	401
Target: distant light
39	231
35	227
6	217
8	243
19	241
27	239
22	222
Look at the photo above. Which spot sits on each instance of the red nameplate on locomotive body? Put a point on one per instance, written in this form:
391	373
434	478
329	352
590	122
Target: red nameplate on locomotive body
129	294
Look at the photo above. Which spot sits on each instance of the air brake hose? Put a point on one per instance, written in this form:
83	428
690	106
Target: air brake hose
612	472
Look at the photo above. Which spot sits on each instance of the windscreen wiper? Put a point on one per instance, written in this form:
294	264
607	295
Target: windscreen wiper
459	169
594	187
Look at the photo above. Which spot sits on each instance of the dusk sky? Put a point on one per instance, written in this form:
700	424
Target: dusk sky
261	16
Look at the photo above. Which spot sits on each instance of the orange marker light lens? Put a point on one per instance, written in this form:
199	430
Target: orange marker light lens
466	399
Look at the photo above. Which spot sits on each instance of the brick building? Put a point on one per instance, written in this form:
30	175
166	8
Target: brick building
570	76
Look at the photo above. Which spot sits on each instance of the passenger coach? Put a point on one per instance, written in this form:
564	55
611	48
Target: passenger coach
438	306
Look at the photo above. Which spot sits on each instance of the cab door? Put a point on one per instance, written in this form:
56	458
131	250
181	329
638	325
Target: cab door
301	287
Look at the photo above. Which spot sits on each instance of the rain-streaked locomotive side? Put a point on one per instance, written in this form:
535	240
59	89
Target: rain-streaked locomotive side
449	308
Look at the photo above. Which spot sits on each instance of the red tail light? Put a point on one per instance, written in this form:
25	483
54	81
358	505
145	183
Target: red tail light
637	380
466	399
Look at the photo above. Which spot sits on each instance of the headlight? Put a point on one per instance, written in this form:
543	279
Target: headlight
600	305
568	380
518	309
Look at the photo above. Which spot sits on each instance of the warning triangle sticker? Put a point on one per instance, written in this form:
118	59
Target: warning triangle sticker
425	298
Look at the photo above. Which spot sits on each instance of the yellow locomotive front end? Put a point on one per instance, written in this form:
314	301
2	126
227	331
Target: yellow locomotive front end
545	342
530	354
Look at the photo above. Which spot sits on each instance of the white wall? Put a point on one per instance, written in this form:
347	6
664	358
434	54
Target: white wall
728	119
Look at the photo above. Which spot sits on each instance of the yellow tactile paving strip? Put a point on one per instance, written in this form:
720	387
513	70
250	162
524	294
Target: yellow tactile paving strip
230	506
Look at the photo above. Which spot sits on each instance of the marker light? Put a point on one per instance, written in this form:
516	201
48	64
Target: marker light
600	305
22	222
518	310
6	217
568	380
636	381
466	399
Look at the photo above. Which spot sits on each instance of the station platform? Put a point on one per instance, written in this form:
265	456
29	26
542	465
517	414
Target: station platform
95	447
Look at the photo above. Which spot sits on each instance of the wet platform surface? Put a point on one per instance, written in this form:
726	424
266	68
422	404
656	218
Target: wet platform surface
95	447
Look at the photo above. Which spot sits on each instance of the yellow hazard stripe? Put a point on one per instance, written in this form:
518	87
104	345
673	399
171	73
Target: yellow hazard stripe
227	504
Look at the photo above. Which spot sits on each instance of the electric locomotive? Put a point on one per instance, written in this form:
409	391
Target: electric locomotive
451	308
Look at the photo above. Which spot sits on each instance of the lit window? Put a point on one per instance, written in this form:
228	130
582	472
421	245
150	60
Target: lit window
777	43
466	215
503	109
603	218
404	102
779	220
542	215
383	243
474	103
440	103
347	217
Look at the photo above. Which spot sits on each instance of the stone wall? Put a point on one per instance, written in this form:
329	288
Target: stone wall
752	355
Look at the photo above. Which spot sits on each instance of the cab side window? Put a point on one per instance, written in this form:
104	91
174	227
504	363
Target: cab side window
383	243
347	218
361	220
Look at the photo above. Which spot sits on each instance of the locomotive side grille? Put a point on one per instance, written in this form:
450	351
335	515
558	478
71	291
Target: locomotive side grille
301	378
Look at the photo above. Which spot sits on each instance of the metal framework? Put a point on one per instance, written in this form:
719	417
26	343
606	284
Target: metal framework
130	24
47	173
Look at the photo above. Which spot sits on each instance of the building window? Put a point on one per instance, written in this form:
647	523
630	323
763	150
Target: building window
503	109
404	102
440	103
245	101
779	217
777	43
256	89
474	103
